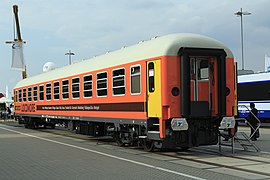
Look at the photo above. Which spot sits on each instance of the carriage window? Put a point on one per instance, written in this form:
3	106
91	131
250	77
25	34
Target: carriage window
35	89
119	82
65	89
24	95
56	90
41	92
87	86
20	95
135	79
76	88
203	70
151	77
29	94
48	91
102	84
204	74
15	96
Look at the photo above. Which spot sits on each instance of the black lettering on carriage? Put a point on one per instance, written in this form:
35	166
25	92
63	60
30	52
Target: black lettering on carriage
28	108
133	107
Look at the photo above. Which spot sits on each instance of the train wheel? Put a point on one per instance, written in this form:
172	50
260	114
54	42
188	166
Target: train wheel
119	140
184	148
32	125
35	125
148	145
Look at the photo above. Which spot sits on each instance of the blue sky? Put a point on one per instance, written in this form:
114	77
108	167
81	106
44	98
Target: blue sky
88	28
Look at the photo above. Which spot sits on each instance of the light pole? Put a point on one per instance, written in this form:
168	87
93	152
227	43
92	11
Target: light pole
69	53
241	13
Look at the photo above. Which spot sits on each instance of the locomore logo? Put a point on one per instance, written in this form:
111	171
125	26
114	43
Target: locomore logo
28	108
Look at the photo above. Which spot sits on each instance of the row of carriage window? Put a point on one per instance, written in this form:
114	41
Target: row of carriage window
118	86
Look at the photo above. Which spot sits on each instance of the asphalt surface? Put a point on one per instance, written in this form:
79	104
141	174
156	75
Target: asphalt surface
33	154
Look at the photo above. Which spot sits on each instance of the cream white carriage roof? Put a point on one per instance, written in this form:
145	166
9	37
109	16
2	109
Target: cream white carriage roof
168	45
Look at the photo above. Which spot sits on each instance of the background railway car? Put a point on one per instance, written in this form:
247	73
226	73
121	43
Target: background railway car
167	92
255	88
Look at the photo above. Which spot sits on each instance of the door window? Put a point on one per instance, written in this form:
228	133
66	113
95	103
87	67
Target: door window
151	77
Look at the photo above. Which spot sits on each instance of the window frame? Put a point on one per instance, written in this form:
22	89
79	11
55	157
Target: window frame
20	95
41	100
15	95
54	93
63	93
115	87
24	93
97	80
151	79
47	92
35	97
29	94
91	90
136	65
77	83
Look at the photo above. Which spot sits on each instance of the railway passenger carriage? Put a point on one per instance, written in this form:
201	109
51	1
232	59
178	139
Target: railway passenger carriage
168	92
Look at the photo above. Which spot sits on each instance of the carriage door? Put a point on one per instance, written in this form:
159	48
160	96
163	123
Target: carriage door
200	86
153	89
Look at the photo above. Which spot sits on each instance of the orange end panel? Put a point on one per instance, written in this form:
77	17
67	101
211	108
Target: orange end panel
230	83
170	78
162	128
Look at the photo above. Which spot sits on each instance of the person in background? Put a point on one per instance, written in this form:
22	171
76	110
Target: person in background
11	107
8	113
252	119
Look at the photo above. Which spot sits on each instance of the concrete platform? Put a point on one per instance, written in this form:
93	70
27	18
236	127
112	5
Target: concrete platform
242	164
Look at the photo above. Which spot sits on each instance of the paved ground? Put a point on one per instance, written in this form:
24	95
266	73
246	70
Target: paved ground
31	154
264	141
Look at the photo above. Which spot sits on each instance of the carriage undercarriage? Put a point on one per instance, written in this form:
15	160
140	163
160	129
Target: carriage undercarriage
201	132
